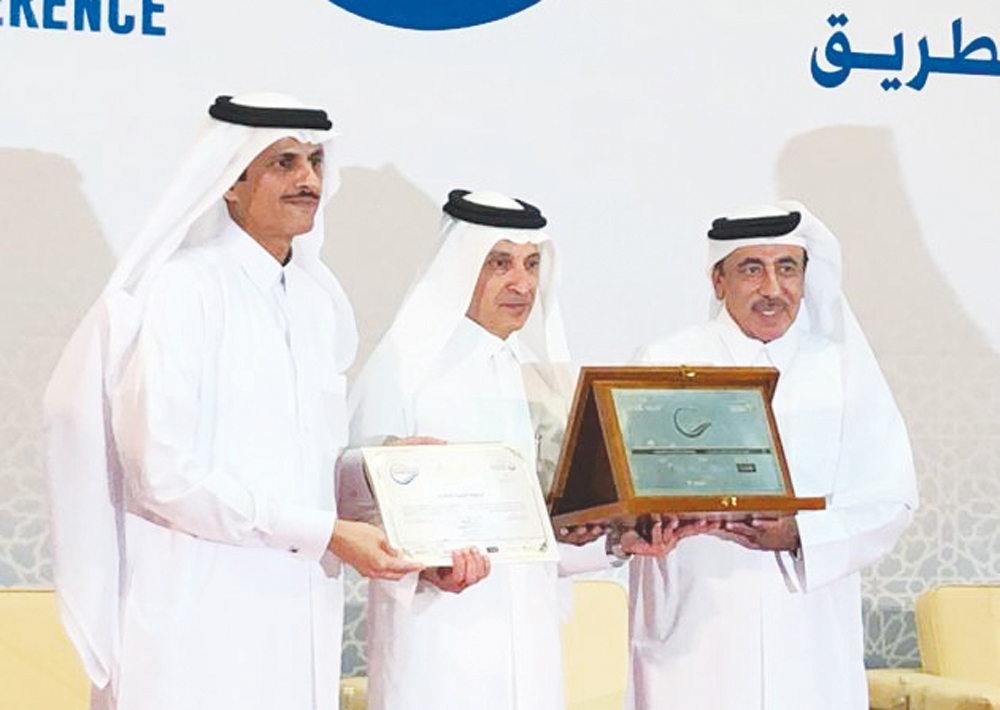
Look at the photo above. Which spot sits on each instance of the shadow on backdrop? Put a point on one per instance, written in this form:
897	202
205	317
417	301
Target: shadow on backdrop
381	231
944	375
54	261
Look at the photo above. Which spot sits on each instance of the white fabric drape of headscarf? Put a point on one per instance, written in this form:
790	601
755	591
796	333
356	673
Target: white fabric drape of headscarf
80	456
437	303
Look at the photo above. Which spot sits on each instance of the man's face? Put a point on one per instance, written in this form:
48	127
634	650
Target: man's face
505	291
762	288
278	194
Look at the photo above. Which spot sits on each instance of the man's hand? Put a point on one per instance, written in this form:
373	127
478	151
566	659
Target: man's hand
413	441
656	535
762	532
467	567
365	548
580	534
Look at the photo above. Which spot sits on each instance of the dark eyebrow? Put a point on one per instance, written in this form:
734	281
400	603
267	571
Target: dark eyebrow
504	254
750	260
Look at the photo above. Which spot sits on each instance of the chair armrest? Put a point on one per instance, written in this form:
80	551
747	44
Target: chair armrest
901	689
887	688
931	692
353	692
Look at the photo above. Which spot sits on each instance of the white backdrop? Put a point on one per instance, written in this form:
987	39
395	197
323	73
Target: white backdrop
630	123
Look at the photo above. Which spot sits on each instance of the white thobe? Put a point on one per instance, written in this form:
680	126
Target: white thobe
229	419
715	625
495	645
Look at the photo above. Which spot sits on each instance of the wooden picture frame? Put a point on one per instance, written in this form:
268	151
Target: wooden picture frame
687	441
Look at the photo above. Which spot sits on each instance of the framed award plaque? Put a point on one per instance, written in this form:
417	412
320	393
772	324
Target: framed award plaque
685	441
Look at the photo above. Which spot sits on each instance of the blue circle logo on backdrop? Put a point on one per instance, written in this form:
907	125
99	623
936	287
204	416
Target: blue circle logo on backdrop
436	14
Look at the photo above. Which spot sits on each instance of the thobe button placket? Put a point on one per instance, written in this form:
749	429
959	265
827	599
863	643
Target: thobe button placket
284	312
285	295
296	330
510	387
763	359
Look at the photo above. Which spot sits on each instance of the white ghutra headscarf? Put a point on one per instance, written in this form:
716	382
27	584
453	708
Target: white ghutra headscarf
438	301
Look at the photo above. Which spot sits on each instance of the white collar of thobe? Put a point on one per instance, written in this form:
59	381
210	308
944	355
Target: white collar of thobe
474	336
746	350
257	262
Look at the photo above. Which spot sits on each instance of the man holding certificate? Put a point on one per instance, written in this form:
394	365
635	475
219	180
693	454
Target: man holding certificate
476	354
766	614
194	425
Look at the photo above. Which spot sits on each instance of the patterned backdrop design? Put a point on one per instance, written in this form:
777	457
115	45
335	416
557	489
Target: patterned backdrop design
956	535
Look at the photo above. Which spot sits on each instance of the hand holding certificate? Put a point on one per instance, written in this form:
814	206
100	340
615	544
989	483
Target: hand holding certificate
436	499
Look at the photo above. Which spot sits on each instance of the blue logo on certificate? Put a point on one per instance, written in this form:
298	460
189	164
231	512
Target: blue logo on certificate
436	15
403	474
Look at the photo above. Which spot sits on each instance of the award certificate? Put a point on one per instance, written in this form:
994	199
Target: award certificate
438	498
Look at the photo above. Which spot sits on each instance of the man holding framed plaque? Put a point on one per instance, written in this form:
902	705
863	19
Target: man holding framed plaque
766	613
476	354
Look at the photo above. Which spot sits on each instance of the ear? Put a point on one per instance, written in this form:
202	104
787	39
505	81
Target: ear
717	283
234	205
231	195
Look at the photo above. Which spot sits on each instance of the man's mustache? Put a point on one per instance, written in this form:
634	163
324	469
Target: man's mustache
770	304
303	193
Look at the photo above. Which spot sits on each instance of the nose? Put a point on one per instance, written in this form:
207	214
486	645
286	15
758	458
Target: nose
769	285
520	280
310	177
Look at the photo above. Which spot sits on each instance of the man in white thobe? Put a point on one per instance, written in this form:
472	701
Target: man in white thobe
767	615
194	425
477	353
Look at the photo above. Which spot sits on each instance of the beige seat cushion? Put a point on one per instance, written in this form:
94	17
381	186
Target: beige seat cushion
958	630
595	646
353	692
39	669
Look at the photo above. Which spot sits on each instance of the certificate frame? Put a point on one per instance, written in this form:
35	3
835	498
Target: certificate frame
596	477
437	498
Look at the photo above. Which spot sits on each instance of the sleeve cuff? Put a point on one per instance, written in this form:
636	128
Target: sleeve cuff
577	559
304	532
